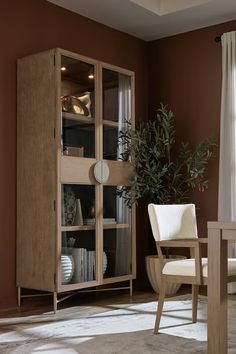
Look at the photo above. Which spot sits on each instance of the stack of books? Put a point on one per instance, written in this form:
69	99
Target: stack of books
85	264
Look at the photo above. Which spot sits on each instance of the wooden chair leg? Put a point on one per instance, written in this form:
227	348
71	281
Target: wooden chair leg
160	306
195	291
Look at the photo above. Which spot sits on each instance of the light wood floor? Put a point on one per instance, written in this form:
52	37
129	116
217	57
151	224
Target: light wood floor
41	304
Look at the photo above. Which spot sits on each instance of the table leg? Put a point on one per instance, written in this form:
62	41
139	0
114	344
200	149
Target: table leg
217	293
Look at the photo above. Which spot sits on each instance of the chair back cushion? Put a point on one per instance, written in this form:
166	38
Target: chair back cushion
171	222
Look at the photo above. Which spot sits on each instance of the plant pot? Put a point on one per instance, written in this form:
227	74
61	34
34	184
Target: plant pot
154	266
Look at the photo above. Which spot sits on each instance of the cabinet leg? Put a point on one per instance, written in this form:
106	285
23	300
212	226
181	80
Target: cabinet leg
19	296
55	302
131	287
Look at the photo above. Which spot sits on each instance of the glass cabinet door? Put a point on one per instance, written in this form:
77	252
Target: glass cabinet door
78	240
117	240
96	235
116	110
78	107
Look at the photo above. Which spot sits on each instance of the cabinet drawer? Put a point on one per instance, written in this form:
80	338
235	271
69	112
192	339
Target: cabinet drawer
75	169
119	173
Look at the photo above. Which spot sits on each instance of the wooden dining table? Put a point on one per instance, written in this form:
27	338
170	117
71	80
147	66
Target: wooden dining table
219	234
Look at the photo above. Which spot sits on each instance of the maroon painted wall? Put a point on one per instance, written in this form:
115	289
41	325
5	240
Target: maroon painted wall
185	73
28	27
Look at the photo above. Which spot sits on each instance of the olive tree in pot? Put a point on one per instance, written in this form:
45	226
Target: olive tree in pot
163	173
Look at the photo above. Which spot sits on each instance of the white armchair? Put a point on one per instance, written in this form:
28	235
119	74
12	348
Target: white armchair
175	226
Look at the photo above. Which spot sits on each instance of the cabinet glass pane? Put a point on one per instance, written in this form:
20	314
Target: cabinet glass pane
78	107
78	241
78	257
110	146
116	111
116	234
78	139
78	205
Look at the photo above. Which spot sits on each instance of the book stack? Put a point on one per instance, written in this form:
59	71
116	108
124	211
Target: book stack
85	264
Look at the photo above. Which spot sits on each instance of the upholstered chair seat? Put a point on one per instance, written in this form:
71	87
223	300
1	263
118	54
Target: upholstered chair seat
186	267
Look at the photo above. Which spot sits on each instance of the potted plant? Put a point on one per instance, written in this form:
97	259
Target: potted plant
163	173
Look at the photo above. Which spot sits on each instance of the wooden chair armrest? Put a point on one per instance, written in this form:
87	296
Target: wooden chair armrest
178	243
182	243
195	248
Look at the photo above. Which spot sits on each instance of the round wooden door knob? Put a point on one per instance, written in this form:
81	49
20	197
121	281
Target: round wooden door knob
101	171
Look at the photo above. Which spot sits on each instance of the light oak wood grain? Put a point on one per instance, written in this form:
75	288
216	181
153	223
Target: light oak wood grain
36	172
77	170
217	293
120	173
219	233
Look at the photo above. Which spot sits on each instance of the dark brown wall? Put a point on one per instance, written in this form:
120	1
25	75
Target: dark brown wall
28	27
185	73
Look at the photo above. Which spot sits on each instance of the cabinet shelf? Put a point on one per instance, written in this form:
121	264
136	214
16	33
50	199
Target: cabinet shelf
78	228
116	226
72	119
92	227
110	124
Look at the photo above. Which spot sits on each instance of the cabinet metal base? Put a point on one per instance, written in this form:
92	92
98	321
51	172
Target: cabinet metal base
57	300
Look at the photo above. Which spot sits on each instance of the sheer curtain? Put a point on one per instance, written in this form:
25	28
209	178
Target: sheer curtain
123	240
227	170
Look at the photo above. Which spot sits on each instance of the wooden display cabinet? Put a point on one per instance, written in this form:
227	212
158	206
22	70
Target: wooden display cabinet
73	232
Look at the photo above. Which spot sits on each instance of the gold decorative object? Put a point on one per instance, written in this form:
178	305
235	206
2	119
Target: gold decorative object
72	104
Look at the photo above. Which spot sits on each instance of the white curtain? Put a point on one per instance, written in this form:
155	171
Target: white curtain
123	216
227	169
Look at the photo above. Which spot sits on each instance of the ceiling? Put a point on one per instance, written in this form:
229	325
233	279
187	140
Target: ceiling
153	19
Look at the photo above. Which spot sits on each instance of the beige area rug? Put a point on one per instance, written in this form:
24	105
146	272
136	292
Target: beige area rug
113	329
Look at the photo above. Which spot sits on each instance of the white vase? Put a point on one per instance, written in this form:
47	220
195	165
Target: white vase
78	220
67	268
